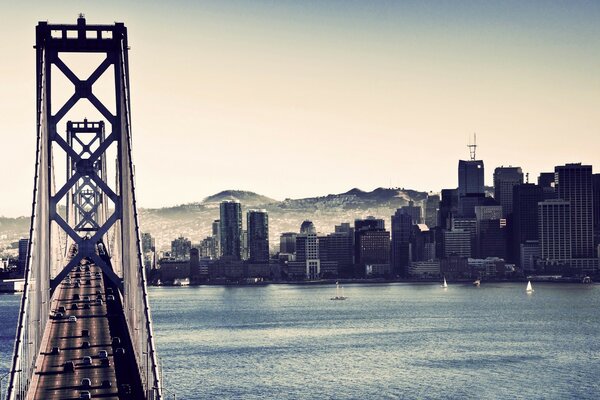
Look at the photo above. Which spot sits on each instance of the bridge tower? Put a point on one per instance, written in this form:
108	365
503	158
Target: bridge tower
91	214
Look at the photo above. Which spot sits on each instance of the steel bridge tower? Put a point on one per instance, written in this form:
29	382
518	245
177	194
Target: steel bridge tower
92	214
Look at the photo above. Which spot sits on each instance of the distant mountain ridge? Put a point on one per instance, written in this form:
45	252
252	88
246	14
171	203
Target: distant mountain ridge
194	220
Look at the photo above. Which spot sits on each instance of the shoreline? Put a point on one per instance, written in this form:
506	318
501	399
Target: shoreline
383	281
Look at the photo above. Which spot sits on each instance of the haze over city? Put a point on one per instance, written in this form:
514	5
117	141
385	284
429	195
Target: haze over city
269	96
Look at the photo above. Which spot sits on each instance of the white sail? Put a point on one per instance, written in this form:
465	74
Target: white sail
445	285
529	287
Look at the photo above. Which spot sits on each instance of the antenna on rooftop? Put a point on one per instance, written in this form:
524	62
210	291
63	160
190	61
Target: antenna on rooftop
473	148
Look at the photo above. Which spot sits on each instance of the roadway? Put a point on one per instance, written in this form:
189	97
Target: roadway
103	320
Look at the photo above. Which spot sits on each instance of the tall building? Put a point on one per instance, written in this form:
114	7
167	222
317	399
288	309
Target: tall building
432	205
287	243
216	235
258	236
555	235
470	177
400	246
574	184
148	243
491	232
340	249
307	253
546	182
180	248
523	223
505	178
448	207
231	229
23	248
372	245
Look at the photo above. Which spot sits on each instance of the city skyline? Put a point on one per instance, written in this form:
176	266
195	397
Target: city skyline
333	86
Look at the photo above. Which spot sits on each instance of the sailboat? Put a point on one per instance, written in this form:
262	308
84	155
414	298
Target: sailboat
445	285
338	296
529	287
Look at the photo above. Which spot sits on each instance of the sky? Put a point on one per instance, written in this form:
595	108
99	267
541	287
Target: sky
296	99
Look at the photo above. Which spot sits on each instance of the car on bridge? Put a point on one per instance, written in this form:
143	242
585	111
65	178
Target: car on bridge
69	366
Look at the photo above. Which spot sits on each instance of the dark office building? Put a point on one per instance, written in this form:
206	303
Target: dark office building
287	243
23	248
231	229
470	177
574	184
468	202
340	248
546	182
523	223
422	243
448	207
492	238
400	246
505	178
258	236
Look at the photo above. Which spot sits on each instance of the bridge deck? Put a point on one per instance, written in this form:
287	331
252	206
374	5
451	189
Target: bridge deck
103	322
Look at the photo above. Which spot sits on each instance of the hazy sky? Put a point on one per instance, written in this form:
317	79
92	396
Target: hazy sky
295	99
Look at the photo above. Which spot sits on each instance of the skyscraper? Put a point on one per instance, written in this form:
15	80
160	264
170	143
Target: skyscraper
372	243
574	184
470	177
555	235
448	207
524	219
505	178
340	249
400	246
432	205
258	236
231	229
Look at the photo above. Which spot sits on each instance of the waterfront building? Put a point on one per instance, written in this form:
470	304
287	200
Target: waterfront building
180	248
574	184
523	223
400	246
425	269
287	243
258	236
457	242
339	247
372	243
230	226
555	237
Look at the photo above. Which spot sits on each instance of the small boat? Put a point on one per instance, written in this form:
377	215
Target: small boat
338	296
477	282
586	279
529	287
445	285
